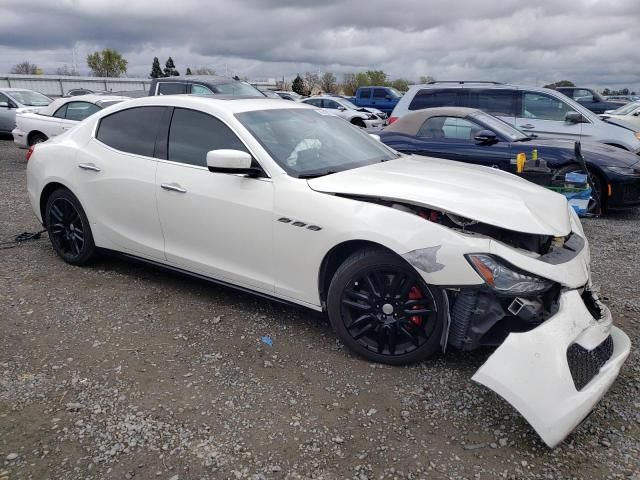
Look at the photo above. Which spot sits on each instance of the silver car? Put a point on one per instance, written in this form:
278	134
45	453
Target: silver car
14	100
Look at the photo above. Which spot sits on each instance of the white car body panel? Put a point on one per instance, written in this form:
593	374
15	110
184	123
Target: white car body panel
242	231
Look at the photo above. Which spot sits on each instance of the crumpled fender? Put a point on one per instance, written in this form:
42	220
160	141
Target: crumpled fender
530	370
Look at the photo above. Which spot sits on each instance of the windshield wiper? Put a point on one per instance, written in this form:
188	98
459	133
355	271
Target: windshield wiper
316	175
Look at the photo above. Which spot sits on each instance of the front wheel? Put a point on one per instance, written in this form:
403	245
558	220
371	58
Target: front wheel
382	309
596	204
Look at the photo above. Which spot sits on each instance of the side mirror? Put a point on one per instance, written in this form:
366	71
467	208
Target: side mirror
341	108
387	97
573	117
231	161
486	136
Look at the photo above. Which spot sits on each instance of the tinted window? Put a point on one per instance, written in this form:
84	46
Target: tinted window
193	134
133	130
330	104
364	93
61	112
171	88
80	110
496	102
316	102
430	98
543	107
200	90
379	93
448	127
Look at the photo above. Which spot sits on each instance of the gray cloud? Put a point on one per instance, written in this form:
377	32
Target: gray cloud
593	42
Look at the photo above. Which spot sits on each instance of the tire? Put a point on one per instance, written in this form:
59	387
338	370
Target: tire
371	303
358	122
68	228
37	138
596	206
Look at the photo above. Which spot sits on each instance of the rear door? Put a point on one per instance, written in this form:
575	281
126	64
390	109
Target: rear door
171	88
500	102
544	115
433	97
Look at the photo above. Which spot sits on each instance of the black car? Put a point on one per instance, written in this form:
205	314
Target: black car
202	85
473	136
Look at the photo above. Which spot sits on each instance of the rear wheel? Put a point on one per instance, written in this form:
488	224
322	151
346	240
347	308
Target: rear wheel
68	228
37	138
358	122
382	309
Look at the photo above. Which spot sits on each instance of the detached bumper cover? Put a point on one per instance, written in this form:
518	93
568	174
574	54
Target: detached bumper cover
531	370
19	138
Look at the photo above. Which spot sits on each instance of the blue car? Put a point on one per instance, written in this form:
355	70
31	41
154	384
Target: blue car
473	136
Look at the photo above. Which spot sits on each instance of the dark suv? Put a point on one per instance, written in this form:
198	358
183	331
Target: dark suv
202	85
590	99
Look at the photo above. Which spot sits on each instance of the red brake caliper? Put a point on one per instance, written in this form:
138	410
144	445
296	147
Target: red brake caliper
415	294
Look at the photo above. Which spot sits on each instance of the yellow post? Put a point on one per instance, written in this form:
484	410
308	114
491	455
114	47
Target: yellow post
521	159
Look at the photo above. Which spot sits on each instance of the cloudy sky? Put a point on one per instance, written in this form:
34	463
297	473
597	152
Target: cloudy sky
592	42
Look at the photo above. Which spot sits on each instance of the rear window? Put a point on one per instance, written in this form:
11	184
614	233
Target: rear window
133	130
430	98
494	101
171	88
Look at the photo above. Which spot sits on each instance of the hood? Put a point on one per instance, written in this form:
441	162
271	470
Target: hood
480	193
621	122
593	152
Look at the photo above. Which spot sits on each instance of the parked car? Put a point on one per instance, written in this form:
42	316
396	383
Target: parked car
14	100
626	98
343	108
344	100
473	136
202	85
629	113
382	98
287	95
406	256
589	98
85	91
540	111
269	93
58	117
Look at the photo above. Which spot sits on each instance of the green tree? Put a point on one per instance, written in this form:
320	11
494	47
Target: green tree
362	80
606	91
170	68
426	79
107	63
561	83
25	68
376	77
156	71
188	71
328	82
400	84
298	85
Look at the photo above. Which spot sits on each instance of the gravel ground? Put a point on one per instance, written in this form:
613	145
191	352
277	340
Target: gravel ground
120	371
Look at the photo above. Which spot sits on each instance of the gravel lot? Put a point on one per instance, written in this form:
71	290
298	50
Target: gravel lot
121	371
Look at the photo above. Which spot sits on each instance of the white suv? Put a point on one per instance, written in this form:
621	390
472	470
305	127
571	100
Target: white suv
541	111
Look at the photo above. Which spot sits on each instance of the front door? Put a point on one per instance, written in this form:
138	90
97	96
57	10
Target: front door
544	115
216	224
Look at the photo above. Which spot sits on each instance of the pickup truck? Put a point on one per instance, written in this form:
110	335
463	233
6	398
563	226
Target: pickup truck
382	98
590	99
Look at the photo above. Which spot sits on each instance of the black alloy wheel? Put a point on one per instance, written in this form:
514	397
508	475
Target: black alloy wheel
68	228
383	310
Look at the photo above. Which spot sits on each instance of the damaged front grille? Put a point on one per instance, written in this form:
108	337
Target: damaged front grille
585	364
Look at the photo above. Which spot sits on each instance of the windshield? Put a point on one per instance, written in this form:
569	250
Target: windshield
30	98
347	103
500	127
238	89
394	93
313	142
626	109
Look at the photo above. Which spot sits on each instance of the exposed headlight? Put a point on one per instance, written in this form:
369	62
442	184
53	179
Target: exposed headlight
504	279
627	171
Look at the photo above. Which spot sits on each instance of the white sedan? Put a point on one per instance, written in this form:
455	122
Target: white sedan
407	255
360	117
59	116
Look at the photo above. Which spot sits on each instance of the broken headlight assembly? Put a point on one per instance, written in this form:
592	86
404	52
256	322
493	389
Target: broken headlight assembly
505	279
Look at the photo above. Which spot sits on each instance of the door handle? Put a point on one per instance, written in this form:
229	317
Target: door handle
88	166
67	128
174	187
527	126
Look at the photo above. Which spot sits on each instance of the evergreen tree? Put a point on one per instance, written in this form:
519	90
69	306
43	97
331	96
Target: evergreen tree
298	85
188	71
170	68
156	71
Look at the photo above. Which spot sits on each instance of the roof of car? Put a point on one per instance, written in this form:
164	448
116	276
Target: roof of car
90	98
212	79
411	123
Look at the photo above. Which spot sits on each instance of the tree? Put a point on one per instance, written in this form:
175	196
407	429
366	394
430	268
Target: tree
376	77
400	84
349	84
561	83
170	68
204	71
328	83
108	63
25	68
311	81
156	71
362	80
67	71
606	92
298	85
426	79
188	71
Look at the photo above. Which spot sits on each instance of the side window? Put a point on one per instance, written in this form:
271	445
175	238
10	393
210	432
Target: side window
379	93
429	98
192	134
330	104
171	88
133	130
448	127
543	107
200	90
582	95
61	112
316	102
496	101
80	110
4	100
364	93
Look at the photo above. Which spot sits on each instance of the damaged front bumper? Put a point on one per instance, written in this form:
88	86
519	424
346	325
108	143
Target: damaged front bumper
555	373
